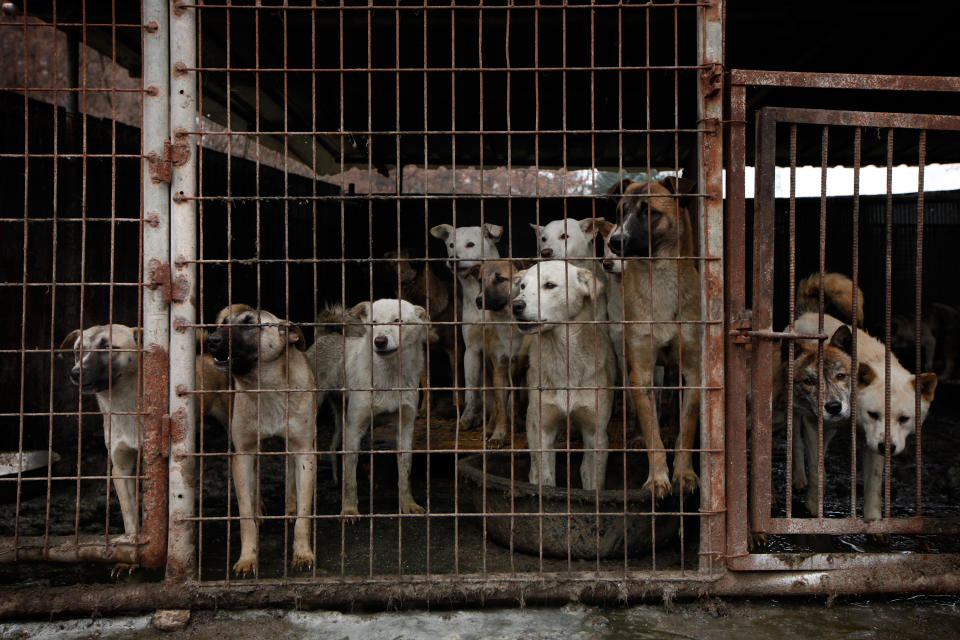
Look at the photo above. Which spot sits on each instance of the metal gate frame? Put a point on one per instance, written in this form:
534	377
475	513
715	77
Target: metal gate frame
749	509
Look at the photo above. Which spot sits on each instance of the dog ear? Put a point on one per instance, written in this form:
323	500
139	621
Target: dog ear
137	333
842	339
69	341
928	384
441	231
679	186
605	227
353	319
521	265
493	231
590	226
390	255
619	188
865	375
537	229
294	335
421	314
591	287
472	272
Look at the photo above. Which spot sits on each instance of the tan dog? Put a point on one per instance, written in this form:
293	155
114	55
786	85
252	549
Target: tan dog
939	337
654	225
106	365
503	346
255	346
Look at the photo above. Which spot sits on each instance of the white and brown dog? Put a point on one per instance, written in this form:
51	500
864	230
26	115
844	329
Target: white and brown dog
275	398
571	368
466	248
383	369
106	365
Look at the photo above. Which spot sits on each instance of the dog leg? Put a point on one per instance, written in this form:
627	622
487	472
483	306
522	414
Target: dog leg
125	464
290	486
405	460
683	474
337	407
306	473
593	469
658	479
813	463
471	369
244	482
455	373
542	423
424	393
872	484
501	380
799	460
352	434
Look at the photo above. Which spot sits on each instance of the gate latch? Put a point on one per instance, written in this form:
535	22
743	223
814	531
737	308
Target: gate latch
174	155
160	278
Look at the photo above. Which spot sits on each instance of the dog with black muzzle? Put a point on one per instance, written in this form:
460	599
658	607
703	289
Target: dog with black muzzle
384	362
661	297
275	398
106	366
571	368
503	346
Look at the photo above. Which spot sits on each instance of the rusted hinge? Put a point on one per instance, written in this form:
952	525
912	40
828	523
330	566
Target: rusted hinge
160	278
174	155
740	328
711	79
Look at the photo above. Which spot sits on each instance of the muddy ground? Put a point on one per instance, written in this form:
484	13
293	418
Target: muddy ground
900	619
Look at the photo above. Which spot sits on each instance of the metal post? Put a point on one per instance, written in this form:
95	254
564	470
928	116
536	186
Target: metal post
181	561
156	254
710	139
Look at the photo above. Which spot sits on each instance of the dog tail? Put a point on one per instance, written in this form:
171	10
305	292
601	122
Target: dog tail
837	296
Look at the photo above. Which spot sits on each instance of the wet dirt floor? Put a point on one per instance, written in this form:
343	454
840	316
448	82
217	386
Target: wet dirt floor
897	619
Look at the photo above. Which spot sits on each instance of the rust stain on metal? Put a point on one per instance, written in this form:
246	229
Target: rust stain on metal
174	290
156	364
175	154
711	78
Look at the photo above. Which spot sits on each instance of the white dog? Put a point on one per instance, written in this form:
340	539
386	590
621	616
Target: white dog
467	247
871	405
383	375
571	367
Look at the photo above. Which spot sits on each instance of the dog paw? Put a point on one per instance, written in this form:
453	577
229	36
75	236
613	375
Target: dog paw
496	440
411	507
757	542
350	514
686	480
810	504
123	567
799	482
302	559
660	485
245	565
470	419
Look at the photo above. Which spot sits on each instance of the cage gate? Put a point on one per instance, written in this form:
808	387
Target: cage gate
791	243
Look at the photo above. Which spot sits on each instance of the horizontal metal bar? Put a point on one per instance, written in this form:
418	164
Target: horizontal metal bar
871	82
865	118
564	4
85	548
384	69
837	526
915	563
764	334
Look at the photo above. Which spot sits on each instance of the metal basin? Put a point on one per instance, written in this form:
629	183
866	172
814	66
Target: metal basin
627	521
31	465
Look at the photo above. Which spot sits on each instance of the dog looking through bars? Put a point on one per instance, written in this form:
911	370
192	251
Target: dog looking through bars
275	398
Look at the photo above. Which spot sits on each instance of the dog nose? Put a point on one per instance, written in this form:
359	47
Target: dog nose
75	375
380	342
881	448
608	265
547	253
833	407
518	306
214	340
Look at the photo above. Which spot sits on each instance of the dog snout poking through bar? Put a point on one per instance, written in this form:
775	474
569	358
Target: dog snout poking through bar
275	398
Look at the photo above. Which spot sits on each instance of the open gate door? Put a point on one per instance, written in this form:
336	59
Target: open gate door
788	246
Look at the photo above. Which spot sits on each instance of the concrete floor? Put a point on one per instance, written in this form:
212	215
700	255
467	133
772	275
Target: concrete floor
899	619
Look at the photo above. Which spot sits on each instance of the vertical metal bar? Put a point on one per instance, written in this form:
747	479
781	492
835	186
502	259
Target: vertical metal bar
763	254
710	110
888	304
918	283
822	254
156	253
735	267
181	563
792	293
855	274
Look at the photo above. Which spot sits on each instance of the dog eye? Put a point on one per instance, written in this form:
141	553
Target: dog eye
470	245
499	278
543	239
873	415
549	285
810	381
396	319
841	376
563	236
523	286
451	245
903	419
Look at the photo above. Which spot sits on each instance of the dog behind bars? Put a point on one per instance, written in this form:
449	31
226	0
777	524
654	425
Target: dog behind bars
106	366
275	397
384	363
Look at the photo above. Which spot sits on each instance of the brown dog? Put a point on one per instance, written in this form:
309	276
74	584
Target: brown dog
254	346
504	347
654	223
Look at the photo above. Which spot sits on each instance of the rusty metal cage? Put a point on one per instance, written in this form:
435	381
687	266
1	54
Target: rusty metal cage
288	170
